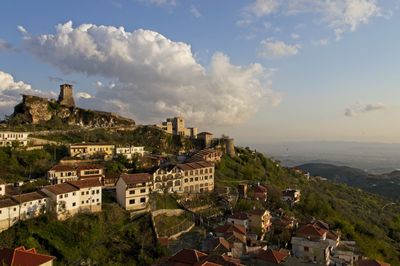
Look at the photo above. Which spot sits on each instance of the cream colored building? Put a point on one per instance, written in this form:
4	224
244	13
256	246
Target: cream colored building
176	126
21	207
61	173
8	137
130	151
83	150
206	139
9	213
197	177
133	191
90	171
259	221
69	198
167	178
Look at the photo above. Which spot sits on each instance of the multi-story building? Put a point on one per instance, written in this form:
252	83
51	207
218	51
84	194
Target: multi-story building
197	177
133	190
21	207
69	198
61	173
208	155
206	139
9	213
167	178
259	221
130	151
7	138
101	150
292	196
31	205
176	126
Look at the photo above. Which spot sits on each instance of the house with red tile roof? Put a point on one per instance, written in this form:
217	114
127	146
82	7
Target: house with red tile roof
133	191
271	257
24	257
239	218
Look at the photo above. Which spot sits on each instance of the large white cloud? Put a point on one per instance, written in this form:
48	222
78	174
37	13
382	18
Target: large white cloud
154	77
11	90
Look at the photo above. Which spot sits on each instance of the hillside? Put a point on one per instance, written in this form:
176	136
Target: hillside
387	185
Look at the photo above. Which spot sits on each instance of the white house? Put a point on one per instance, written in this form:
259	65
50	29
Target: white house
69	198
9	213
133	190
130	151
61	173
31	205
8	137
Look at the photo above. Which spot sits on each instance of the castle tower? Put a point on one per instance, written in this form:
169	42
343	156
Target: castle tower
66	96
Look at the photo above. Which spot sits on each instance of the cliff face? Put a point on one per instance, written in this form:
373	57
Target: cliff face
35	110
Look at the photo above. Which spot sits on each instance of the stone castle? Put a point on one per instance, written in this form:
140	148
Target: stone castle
66	96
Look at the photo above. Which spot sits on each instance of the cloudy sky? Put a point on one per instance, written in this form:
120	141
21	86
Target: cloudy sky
258	70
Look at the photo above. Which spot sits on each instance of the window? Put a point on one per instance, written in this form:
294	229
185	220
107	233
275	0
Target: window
66	196
142	200
61	196
97	200
83	193
97	191
143	190
73	193
73	204
186	180
196	178
15	209
132	201
0	211
306	249
83	202
131	192
93	192
87	192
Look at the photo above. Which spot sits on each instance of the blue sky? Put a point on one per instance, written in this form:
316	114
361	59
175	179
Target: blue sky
259	70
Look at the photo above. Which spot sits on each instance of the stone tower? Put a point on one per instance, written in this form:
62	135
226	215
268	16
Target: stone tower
66	96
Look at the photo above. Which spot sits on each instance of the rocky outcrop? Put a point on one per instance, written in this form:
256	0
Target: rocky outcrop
35	110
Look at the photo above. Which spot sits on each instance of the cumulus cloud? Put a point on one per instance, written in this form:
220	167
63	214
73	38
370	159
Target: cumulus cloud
11	90
195	12
154	77
363	108
83	95
277	49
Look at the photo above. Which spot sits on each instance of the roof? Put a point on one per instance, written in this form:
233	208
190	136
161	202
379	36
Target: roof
4	203
204	133
220	260
85	183
92	144
258	212
194	165
260	189
372	263
63	167
29	197
186	257
272	256
133	179
311	230
231	228
239	216
61	188
23	257
219	242
89	167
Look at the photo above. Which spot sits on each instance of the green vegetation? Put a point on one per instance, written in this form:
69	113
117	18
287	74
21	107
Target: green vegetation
107	238
155	140
19	164
366	218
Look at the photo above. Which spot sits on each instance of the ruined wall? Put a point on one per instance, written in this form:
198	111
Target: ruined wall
66	97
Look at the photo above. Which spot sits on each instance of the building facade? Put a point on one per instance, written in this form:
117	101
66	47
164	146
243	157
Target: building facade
7	138
176	126
60	173
130	151
89	150
133	191
206	139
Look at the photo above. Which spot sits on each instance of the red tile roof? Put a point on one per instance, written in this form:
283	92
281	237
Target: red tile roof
61	188
372	263
221	260
194	165
85	183
4	203
239	216
272	256
23	257
311	230
260	189
231	228
29	197
63	168
89	167
134	179
186	257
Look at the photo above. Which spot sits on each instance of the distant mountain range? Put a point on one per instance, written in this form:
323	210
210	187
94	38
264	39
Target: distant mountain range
387	185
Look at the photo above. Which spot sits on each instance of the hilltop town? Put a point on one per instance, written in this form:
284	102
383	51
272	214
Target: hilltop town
110	192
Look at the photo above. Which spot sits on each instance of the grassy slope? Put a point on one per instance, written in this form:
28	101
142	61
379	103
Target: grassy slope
358	214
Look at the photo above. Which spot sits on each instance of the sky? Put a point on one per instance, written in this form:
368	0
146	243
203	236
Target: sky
258	70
